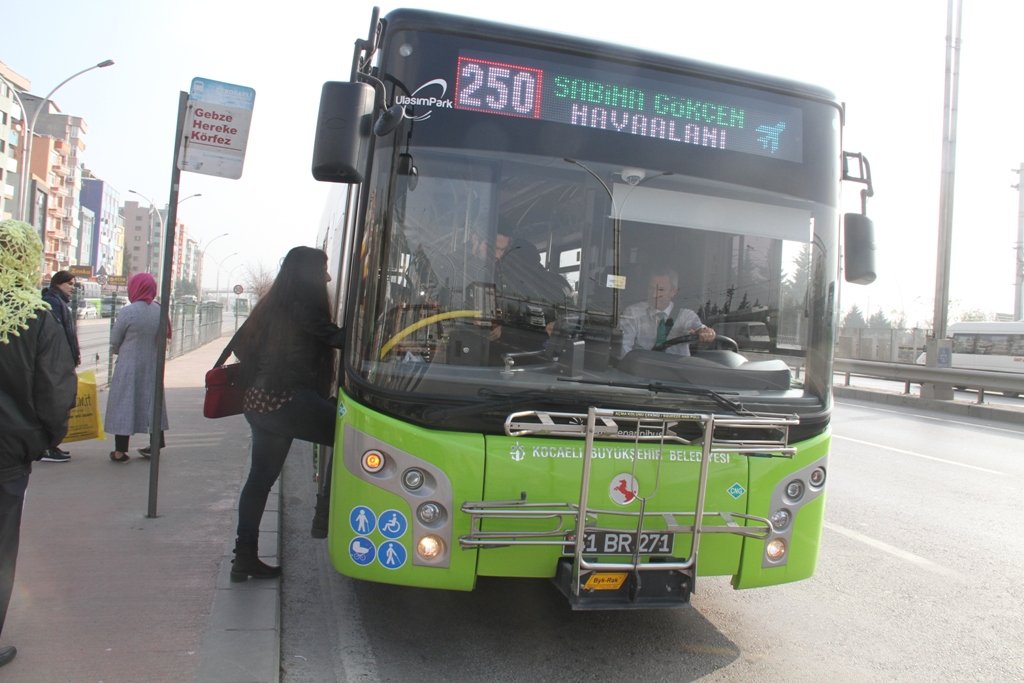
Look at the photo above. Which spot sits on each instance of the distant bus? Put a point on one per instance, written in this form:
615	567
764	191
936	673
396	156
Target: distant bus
988	345
89	299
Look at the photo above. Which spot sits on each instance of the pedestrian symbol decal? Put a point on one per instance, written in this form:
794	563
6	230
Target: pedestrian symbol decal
362	550
392	524
391	555
362	520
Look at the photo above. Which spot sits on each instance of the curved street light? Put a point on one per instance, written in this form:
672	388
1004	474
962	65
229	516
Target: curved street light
202	259
26	148
234	253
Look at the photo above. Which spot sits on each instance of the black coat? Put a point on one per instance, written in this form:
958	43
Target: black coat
290	354
38	386
66	317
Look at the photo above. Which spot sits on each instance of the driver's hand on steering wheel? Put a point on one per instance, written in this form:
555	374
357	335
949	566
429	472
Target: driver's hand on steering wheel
704	333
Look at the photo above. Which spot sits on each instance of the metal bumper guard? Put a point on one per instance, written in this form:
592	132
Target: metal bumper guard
590	584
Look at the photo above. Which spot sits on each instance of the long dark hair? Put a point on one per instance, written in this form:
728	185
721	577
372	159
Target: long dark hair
299	292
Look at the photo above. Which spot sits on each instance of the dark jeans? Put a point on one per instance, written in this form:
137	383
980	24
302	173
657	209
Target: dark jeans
307	417
12	500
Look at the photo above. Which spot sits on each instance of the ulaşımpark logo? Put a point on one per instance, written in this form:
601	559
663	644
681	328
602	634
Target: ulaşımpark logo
421	97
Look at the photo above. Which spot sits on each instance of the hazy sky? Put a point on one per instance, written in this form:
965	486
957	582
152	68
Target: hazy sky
885	59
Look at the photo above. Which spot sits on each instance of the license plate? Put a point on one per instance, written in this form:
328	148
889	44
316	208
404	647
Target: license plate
623	543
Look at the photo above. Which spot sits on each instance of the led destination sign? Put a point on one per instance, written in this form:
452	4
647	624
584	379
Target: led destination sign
673	111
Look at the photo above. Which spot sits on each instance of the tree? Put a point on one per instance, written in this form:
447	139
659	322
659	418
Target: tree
878	321
258	279
185	288
854	318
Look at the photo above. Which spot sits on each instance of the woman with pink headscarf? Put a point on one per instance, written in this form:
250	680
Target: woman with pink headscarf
134	338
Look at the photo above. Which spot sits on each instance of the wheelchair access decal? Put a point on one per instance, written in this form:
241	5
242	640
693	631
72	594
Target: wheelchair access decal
392	524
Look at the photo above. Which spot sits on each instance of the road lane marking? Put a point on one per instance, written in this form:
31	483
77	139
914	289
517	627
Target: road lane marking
918	455
943	419
896	552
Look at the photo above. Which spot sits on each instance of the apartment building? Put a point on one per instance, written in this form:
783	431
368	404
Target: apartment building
12	124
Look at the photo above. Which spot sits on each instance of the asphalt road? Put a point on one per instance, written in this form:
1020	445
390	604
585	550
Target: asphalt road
919	579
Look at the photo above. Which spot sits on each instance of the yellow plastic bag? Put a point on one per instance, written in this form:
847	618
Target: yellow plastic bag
84	422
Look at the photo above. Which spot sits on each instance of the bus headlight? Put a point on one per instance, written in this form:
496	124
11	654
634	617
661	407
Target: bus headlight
412	478
795	490
775	550
780	519
429	513
817	477
373	461
429	547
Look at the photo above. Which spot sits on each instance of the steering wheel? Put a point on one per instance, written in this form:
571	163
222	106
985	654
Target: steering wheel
719	342
402	334
682	339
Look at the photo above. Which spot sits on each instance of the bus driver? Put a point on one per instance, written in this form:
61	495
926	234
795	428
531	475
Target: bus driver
648	323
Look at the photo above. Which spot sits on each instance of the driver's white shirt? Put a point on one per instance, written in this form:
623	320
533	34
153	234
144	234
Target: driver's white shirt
639	324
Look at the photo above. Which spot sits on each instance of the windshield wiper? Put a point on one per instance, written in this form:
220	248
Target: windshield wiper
656	387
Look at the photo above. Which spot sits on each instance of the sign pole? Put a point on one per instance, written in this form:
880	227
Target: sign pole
156	430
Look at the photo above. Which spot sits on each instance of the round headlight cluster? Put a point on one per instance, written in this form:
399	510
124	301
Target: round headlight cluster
817	478
430	547
780	519
775	549
795	490
412	478
430	513
373	461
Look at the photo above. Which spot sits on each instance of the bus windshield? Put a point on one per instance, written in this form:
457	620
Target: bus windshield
518	216
496	267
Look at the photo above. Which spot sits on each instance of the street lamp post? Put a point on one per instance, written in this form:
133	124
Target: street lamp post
26	147
234	253
202	259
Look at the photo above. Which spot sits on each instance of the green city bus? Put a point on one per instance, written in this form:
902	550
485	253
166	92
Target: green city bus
495	425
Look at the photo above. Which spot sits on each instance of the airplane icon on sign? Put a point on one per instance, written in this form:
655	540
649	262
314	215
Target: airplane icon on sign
769	137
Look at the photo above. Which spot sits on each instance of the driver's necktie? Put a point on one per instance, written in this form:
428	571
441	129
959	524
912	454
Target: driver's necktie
662	328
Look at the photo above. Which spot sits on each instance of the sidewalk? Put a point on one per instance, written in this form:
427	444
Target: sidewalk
105	593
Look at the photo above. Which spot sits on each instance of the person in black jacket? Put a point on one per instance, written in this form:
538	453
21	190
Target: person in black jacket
286	352
37	389
58	294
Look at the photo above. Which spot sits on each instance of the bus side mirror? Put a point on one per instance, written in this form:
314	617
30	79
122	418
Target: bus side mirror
859	249
343	131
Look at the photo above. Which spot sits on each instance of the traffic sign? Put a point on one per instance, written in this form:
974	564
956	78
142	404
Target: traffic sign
237	289
216	128
102	279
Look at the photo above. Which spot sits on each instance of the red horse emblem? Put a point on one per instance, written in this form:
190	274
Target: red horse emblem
623	489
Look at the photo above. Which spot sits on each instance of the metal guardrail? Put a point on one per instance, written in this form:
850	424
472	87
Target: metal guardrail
980	380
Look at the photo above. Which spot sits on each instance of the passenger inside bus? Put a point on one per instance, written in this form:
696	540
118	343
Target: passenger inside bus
528	297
